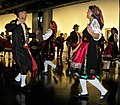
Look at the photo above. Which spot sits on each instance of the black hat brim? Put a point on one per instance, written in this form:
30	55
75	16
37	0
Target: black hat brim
20	9
75	26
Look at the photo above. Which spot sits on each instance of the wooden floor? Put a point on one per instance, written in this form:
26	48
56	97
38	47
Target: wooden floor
56	88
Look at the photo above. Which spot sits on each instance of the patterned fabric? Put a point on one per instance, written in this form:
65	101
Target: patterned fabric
91	64
74	72
96	28
80	55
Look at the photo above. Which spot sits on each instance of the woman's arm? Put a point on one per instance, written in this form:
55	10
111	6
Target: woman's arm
73	51
94	30
94	35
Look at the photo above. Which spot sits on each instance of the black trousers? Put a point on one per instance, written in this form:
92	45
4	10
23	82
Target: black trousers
59	50
22	59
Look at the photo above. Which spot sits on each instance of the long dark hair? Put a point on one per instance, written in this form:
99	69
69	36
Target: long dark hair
115	29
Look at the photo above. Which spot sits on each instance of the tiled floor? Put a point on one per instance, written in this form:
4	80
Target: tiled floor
56	89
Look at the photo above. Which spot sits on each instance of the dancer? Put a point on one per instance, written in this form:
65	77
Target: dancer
111	51
113	39
88	60
47	51
19	40
75	38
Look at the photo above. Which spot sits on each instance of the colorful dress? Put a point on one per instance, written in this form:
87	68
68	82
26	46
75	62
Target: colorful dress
47	48
91	66
87	57
111	51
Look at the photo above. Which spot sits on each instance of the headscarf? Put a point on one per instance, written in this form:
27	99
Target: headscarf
54	26
97	14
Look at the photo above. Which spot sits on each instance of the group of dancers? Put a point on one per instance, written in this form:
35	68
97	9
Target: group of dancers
85	53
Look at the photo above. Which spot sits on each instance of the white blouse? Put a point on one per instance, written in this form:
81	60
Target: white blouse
48	33
115	37
96	28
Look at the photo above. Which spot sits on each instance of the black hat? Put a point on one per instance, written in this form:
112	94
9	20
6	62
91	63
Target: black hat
75	26
28	28
61	33
20	9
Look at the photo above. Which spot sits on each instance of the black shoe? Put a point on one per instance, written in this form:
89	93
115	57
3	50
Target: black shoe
45	73
81	96
104	97
25	89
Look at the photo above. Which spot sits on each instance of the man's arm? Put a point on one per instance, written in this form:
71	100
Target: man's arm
10	26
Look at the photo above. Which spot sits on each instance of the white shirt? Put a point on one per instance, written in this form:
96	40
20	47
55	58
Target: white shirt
115	37
24	29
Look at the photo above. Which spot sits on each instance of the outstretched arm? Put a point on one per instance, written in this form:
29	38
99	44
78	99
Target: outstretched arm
10	26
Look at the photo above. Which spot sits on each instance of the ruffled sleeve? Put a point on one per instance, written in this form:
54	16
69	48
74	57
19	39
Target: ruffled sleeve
48	33
96	28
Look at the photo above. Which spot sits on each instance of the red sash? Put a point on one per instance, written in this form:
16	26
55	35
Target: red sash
34	64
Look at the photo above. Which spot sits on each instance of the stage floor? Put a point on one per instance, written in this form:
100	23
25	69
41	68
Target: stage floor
57	88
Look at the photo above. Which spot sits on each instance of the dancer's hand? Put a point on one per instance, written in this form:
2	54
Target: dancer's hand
71	53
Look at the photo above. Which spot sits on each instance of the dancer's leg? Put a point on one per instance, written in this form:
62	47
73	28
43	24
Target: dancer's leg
83	84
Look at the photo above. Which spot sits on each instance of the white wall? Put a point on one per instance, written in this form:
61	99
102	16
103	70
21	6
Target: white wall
67	16
4	19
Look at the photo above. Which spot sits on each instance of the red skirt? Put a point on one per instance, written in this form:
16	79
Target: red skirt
80	55
108	52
